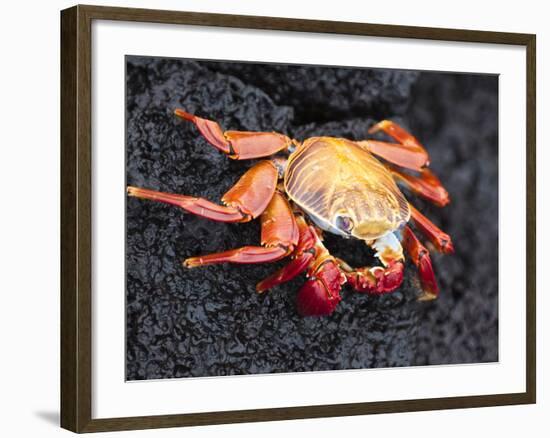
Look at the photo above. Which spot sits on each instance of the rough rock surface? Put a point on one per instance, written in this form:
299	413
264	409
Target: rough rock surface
210	321
324	94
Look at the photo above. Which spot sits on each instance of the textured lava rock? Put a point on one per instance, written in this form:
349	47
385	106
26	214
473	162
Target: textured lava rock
210	321
459	116
322	94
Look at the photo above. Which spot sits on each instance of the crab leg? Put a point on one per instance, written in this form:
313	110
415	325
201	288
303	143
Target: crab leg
426	185
441	240
408	152
239	145
321	293
279	238
421	258
398	134
301	258
378	280
374	281
245	201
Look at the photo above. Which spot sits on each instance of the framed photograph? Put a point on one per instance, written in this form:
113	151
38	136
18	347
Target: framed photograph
268	219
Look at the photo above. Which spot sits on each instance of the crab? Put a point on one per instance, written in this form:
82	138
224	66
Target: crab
323	184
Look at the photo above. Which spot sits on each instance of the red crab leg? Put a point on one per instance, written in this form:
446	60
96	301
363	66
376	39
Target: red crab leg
377	280
421	258
279	238
320	294
408	152
246	200
426	185
294	268
302	257
240	145
442	241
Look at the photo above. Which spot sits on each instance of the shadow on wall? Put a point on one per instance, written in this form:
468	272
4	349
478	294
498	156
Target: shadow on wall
50	417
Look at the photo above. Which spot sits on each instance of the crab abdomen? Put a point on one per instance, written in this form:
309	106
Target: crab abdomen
330	177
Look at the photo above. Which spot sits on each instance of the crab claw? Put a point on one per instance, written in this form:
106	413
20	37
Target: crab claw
377	280
320	295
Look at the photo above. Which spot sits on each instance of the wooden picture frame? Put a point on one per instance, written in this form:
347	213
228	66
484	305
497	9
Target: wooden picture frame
76	218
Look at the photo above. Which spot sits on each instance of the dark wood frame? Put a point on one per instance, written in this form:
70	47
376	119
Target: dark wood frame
76	173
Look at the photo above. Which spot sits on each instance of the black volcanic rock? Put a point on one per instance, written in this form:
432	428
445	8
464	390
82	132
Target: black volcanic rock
324	94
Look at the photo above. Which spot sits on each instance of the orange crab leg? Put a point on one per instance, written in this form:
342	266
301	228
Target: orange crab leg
245	201
427	185
398	134
396	153
408	152
421	258
441	240
239	145
210	130
244	255
279	237
198	206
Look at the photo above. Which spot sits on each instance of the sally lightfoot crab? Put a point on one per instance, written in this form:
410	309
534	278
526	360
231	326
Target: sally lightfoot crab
323	184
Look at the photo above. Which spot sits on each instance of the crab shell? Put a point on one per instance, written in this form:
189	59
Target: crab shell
337	182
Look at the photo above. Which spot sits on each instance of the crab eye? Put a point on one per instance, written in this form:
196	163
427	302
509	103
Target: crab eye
344	223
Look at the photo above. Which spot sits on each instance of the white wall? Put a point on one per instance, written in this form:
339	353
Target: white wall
29	173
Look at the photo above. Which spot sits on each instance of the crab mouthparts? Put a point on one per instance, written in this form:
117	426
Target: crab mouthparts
371	230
